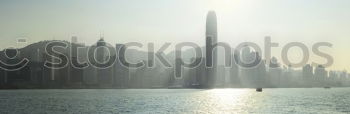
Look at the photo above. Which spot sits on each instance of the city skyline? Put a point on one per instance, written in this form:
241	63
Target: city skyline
178	21
91	67
174	56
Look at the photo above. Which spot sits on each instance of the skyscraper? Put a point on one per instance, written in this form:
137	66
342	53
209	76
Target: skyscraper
307	75
320	75
211	51
121	75
105	78
74	39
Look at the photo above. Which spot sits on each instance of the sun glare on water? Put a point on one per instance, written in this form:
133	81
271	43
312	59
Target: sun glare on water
229	99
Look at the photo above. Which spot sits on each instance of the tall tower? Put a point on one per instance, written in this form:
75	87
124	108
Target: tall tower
104	75
101	52
211	52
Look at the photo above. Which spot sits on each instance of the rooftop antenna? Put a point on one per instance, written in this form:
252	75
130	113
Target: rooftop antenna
101	35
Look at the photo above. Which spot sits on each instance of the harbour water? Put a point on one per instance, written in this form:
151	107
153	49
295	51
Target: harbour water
284	100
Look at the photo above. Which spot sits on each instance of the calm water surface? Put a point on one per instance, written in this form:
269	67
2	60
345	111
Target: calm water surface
315	100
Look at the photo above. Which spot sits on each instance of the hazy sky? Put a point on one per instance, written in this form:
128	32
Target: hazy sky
121	21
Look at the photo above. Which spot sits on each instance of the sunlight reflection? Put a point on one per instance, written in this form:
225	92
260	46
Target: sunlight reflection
229	99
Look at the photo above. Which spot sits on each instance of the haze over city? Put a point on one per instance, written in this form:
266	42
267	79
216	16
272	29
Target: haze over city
174	56
161	21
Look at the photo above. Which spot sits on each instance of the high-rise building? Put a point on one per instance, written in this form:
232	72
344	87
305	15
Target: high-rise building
211	52
234	78
74	39
308	75
201	74
89	73
320	75
274	73
104	75
121	75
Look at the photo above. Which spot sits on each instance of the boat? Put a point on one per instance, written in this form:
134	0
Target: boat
258	89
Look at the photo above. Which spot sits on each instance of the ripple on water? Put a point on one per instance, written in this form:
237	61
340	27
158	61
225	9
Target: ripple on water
313	100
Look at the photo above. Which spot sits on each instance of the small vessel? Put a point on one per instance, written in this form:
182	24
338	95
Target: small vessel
327	87
258	89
